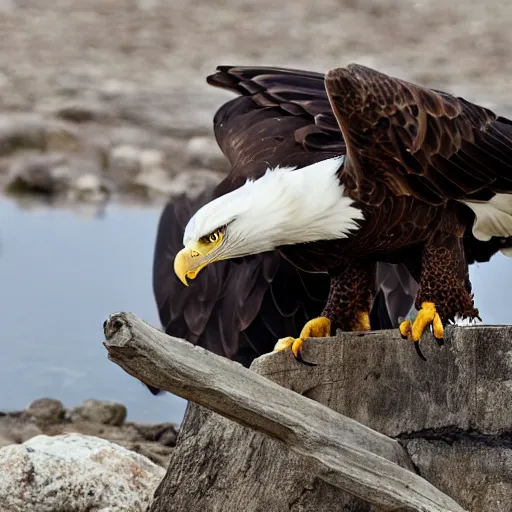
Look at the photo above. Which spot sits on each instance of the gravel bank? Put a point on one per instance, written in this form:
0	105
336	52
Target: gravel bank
107	98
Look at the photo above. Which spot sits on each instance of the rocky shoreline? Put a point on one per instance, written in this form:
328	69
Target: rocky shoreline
98	418
122	111
69	158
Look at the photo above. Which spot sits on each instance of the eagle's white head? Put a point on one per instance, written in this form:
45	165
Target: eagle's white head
283	207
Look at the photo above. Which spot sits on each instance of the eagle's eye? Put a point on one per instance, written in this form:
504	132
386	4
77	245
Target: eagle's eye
214	237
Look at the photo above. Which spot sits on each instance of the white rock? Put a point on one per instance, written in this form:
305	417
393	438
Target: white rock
88	183
192	183
151	159
205	152
75	472
124	162
156	180
89	187
126	152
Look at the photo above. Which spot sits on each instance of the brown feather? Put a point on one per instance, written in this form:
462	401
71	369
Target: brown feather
416	141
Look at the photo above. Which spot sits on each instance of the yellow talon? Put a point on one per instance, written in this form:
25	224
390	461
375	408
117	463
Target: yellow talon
317	328
426	315
438	328
405	328
363	322
284	343
296	347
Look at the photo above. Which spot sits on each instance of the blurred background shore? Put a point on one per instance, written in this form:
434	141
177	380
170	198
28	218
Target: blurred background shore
105	114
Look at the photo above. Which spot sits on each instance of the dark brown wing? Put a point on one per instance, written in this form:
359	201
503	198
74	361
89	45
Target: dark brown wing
283	118
417	141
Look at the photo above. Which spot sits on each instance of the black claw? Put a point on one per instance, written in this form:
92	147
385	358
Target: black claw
440	341
418	350
303	361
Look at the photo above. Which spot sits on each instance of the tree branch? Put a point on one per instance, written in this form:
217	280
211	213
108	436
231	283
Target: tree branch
347	454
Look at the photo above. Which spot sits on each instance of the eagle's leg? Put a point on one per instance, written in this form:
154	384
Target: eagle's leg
350	296
444	289
347	308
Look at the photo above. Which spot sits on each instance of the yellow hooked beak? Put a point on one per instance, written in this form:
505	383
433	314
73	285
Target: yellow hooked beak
193	258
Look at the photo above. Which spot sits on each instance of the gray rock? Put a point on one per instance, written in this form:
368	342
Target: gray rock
96	418
5	441
17	429
168	437
204	151
99	411
6	6
155	452
21	132
75	472
164	433
27	431
46	411
192	183
89	187
82	111
40	174
153	183
123	163
150	159
125	433
60	137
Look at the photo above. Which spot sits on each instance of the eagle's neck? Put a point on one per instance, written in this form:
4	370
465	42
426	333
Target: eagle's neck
287	206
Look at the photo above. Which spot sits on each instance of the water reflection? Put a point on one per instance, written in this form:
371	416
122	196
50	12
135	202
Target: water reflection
61	275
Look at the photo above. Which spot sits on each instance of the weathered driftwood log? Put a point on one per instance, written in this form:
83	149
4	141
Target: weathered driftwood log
340	451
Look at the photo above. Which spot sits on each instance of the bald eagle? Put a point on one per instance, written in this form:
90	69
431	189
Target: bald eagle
237	309
409	175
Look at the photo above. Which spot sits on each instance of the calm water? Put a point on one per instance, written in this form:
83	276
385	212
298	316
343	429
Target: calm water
62	274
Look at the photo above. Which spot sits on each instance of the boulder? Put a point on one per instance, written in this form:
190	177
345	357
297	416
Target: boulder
99	411
204	151
98	418
75	472
46	411
45	174
21	132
